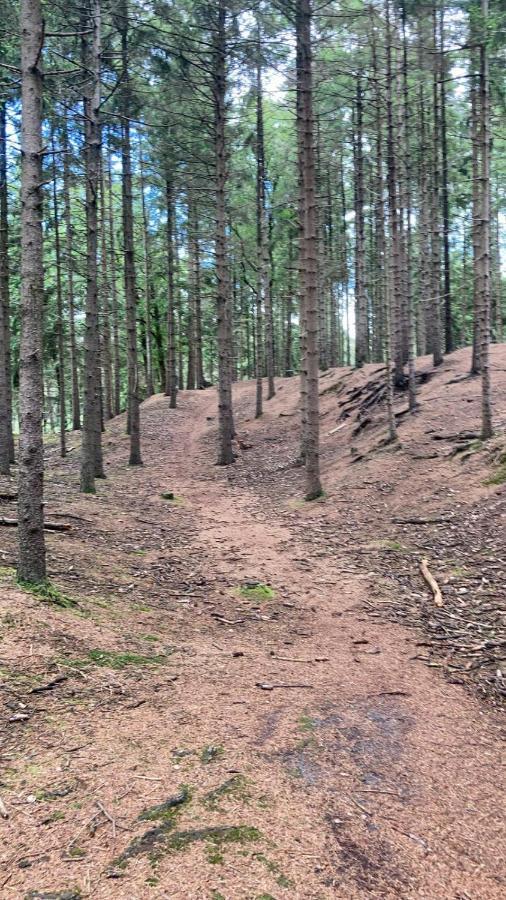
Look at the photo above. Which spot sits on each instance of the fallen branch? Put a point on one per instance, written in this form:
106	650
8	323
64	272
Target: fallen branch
49	526
415	520
431	581
108	816
333	431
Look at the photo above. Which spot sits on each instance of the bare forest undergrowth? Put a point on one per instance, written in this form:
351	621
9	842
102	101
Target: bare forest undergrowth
240	695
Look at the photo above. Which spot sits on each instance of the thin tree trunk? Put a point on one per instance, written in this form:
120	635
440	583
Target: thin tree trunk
114	297
394	307
476	224
435	217
484	243
226	427
306	125
105	285
147	280
69	257
171	382
289	307
361	339
6	435
91	454
32	554
447	299
60	336
409	236
262	235
135	458
260	239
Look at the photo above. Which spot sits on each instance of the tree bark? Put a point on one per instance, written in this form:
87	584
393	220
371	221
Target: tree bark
310	239
361	338
114	298
32	555
225	416
60	335
147	281
135	458
484	232
6	434
69	258
107	276
447	298
91	453
171	382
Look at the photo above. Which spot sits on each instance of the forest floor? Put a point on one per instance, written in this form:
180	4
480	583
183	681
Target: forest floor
254	697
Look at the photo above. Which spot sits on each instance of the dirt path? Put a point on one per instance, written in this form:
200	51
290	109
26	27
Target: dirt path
341	766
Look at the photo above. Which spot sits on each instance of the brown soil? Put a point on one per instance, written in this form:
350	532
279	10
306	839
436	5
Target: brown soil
329	750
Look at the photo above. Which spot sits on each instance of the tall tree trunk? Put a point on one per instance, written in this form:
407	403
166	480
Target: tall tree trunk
476	214
135	458
105	290
6	435
69	257
409	234
289	307
171	383
91	454
394	307
447	299
306	125
435	213
114	297
225	415
260	238
60	336
484	242
361	338
147	280
32	554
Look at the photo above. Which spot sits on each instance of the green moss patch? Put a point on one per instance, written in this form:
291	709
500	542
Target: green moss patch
211	752
499	476
233	787
274	869
47	592
219	835
172	498
255	590
164	839
109	659
167	810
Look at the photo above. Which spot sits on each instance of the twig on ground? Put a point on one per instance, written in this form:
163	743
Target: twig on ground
431	581
112	820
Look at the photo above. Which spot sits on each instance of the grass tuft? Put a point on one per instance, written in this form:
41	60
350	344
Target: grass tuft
47	592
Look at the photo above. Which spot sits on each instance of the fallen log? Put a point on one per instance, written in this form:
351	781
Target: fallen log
431	581
49	526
